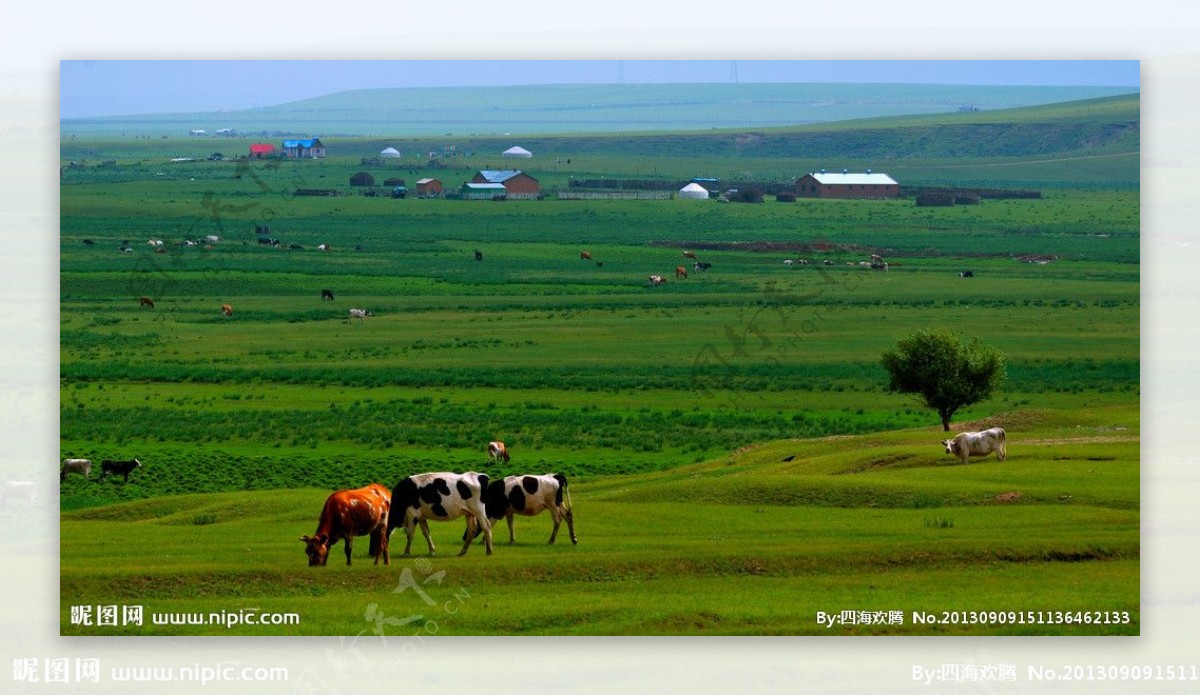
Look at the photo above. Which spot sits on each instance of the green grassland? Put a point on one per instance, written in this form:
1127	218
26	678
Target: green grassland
745	544
670	408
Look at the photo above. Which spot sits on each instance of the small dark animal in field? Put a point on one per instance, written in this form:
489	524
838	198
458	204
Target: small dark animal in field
358	247
123	468
478	255
326	294
701	266
788	458
295	247
585	256
966	274
680	272
88	242
145	302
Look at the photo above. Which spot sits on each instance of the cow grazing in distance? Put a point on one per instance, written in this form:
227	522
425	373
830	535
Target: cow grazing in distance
680	272
656	280
227	310
827	262
18	490
788	262
324	247
701	266
585	256
966	274
529	496
117	467
88	242
145	302
75	466
977	444
347	514
496	451
478	255
327	295
689	255
359	314
441	497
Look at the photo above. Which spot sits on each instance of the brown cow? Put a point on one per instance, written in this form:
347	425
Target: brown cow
146	302
690	255
497	451
227	310
347	514
585	256
680	272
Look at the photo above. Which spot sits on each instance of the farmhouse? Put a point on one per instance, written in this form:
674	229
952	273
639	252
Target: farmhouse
305	148
516	183
846	185
261	150
482	192
429	188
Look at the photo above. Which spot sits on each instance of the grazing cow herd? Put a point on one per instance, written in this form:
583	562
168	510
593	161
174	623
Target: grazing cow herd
415	500
438	497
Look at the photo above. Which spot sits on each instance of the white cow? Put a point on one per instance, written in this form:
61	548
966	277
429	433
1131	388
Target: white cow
657	280
442	497
529	496
75	466
359	314
18	490
977	444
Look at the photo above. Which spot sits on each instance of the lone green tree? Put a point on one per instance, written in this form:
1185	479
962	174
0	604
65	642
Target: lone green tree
946	373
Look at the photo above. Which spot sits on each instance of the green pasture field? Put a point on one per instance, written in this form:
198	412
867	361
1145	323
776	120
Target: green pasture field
744	544
671	409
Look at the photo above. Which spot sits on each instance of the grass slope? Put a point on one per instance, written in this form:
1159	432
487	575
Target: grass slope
744	544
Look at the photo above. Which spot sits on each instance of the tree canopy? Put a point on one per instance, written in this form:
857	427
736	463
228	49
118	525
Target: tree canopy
943	371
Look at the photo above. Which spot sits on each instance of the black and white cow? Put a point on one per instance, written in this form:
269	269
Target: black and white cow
75	466
441	497
529	496
978	444
123	468
359	314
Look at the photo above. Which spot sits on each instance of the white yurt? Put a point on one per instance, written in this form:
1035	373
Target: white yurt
517	151
694	190
389	152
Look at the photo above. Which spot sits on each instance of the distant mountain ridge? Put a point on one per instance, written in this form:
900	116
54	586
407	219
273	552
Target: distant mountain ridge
556	109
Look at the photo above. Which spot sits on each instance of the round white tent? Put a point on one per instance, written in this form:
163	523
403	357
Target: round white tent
517	151
694	190
389	152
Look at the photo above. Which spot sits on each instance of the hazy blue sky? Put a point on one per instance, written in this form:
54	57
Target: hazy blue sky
103	88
